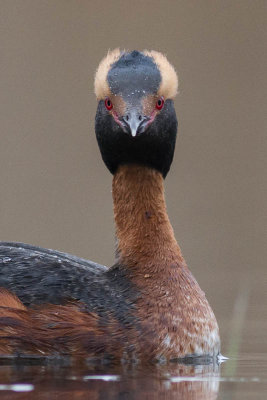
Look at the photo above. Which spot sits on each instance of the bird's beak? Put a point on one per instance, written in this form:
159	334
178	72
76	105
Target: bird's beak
134	123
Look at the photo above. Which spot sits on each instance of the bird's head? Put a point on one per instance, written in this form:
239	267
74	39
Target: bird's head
135	120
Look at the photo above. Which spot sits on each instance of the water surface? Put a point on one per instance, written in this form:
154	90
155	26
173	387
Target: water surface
244	377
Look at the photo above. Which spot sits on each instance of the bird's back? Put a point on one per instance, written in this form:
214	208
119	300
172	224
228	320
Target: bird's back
42	276
38	275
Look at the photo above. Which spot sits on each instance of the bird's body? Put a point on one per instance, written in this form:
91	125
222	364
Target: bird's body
148	306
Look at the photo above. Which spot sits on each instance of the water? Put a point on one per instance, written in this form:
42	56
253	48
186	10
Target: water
244	377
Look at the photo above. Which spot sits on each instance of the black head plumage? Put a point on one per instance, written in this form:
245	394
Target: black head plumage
131	129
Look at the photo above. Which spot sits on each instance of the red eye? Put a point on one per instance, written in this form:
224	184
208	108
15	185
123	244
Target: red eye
160	103
108	104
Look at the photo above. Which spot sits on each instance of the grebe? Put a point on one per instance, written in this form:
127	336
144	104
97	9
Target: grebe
147	306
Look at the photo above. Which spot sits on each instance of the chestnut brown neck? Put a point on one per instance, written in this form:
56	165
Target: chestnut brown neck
144	233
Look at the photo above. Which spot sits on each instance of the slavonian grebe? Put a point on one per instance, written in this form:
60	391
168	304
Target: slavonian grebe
148	306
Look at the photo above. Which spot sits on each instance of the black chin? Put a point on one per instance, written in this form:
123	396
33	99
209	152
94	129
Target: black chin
153	148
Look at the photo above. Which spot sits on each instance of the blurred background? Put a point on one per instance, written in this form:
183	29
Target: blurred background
55	189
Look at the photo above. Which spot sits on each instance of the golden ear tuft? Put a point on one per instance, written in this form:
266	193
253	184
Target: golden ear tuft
101	84
169	84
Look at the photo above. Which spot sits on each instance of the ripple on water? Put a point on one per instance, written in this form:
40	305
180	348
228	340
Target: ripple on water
18	387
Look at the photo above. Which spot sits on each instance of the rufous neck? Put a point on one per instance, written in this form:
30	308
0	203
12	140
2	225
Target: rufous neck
144	233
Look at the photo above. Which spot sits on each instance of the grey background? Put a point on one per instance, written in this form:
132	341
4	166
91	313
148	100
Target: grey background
55	189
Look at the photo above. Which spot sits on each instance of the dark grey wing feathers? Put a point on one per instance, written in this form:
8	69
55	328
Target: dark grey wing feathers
27	249
38	275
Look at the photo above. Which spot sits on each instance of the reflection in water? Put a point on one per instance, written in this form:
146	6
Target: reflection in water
173	381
